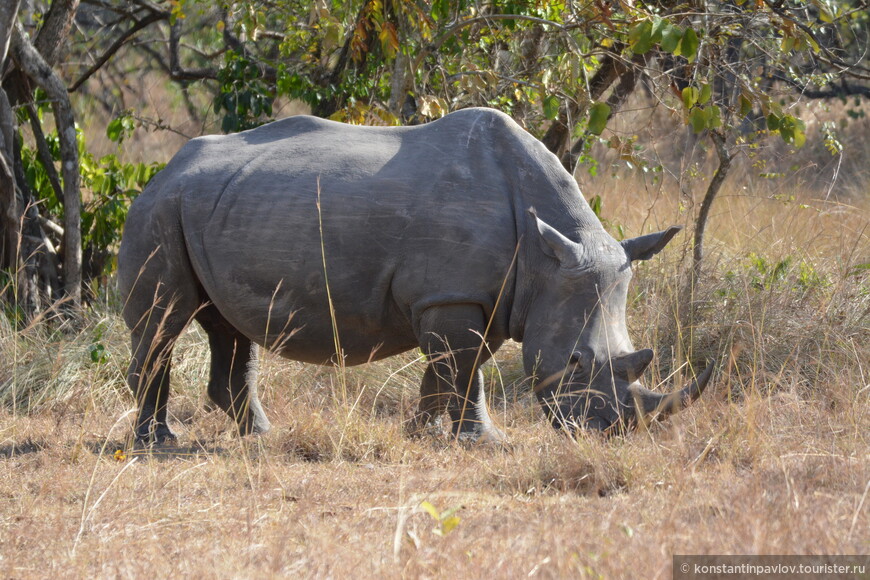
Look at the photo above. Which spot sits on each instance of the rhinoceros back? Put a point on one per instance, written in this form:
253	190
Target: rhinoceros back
402	218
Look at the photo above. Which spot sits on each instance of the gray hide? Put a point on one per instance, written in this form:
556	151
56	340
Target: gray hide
418	228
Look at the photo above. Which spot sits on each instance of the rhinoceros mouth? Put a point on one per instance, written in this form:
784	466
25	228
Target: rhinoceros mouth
591	409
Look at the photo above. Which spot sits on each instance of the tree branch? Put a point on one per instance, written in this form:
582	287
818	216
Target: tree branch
557	136
44	153
8	17
9	224
176	71
623	89
843	90
55	29
119	42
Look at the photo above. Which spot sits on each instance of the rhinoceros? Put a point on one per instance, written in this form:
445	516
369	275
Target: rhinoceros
324	241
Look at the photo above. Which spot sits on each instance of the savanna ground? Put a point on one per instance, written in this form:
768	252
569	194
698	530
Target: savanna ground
774	459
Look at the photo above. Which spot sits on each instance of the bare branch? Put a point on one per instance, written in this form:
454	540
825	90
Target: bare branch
177	72
119	42
8	16
44	153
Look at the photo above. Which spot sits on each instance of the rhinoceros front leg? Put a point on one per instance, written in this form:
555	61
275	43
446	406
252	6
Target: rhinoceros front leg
232	383
450	337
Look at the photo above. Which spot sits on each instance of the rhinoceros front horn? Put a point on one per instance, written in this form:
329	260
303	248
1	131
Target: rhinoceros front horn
661	405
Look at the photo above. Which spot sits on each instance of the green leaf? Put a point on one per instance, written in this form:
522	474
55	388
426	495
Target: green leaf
599	113
690	97
113	130
714	117
671	36
640	37
551	107
98	353
706	93
658	28
745	106
773	122
689	45
791	129
698	118
120	128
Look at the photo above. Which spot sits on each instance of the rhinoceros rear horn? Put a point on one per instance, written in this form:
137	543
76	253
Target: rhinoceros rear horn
661	405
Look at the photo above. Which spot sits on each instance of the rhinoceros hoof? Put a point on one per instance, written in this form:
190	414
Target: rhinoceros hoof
161	435
487	436
258	428
425	426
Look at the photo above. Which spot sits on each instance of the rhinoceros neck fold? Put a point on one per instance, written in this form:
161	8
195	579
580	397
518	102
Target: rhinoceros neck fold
542	184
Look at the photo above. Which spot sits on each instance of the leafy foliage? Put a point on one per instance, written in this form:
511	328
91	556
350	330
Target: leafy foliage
109	186
244	98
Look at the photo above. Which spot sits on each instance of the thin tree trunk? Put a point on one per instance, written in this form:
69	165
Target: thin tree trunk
44	153
8	17
9	225
34	66
38	283
712	190
8	208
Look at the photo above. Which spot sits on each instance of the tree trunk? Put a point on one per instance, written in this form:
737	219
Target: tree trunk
55	29
9	225
34	66
558	137
8	193
712	190
621	92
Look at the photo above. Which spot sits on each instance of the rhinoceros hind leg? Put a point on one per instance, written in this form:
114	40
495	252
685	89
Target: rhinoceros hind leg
162	297
149	371
450	336
232	384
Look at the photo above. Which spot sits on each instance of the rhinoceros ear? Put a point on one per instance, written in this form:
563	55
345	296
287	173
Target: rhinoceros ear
631	365
556	245
645	247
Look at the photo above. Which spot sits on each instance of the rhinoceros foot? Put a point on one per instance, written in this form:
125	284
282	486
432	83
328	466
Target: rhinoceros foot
160	435
488	436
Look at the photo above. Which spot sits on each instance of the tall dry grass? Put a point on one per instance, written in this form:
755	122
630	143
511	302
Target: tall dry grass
773	459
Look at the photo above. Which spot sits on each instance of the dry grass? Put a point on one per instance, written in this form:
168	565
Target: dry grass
774	459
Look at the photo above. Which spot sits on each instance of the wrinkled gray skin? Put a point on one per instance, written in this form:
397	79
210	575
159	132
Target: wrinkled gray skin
420	226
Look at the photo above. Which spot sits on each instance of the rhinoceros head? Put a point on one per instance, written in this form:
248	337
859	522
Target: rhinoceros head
576	343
